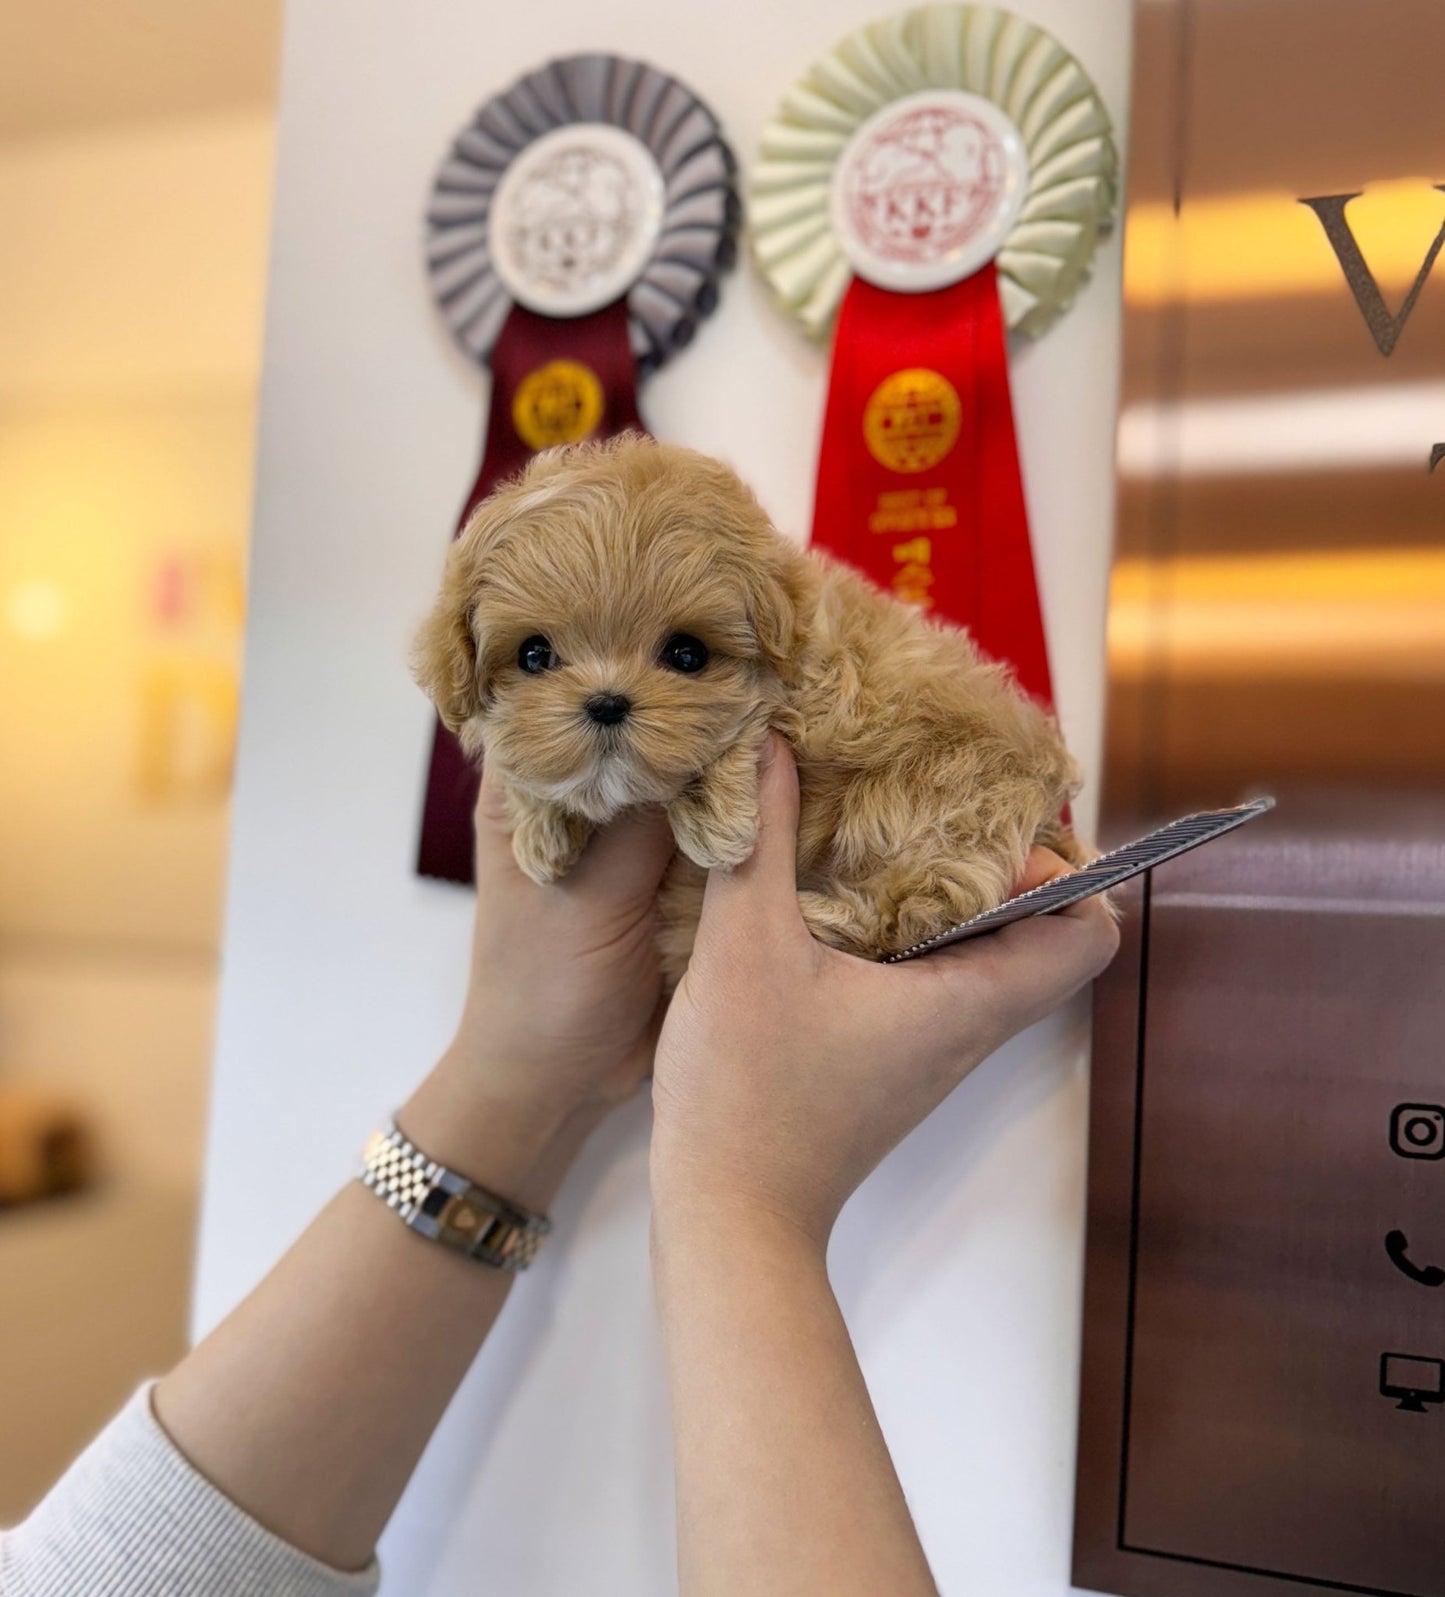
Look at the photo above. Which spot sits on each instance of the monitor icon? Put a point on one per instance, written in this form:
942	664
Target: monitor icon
1413	1380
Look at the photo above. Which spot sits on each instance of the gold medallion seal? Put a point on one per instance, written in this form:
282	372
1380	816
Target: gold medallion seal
559	403
912	419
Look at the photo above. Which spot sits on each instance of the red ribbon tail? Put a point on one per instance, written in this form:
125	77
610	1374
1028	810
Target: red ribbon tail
1010	622
919	484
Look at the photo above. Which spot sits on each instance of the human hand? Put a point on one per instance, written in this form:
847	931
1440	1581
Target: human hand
786	1070
564	998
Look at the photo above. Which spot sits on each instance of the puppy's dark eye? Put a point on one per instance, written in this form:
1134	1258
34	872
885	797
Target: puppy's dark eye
685	653
536	655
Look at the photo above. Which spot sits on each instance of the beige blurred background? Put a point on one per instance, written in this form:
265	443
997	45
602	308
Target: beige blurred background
136	141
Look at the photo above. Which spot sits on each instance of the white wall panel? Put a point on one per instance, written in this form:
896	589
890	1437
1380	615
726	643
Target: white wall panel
959	1265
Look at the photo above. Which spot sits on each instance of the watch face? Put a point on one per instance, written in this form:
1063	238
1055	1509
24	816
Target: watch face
928	190
575	219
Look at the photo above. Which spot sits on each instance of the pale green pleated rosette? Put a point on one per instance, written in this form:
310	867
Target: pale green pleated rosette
1069	186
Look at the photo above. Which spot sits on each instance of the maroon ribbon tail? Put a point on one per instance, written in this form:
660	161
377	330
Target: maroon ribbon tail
527	342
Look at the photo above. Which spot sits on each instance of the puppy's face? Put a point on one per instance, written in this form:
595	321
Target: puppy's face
615	667
610	624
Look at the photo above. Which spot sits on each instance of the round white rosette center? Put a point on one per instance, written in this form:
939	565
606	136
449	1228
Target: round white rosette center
928	190
575	219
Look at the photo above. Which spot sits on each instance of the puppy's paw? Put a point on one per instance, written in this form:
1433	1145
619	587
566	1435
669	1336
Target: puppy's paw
715	818
710	839
829	919
843	922
546	841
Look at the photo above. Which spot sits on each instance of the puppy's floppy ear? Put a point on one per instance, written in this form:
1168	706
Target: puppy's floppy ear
444	656
447	655
771	571
774	592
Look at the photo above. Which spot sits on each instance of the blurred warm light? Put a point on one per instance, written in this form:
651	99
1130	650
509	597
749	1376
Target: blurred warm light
137	144
1373	614
128	378
36	609
1200	254
1341	429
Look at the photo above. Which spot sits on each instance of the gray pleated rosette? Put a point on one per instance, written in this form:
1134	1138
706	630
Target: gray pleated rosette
652	196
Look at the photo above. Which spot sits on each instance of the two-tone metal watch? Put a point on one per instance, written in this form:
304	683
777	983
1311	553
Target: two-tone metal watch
446	1207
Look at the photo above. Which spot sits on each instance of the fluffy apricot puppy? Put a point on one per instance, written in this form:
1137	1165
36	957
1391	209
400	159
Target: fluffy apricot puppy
622	624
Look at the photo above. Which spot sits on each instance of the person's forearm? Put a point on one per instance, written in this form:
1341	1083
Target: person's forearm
310	1405
784	1482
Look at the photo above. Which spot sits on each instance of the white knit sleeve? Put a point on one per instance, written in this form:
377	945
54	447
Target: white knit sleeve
131	1518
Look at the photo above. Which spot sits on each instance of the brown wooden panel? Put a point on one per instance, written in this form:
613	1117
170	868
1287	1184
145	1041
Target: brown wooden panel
1278	998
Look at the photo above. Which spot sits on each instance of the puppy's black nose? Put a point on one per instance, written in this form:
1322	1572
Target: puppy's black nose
607	709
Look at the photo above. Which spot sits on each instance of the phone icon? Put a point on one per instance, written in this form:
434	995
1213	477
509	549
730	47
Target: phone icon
1397	1246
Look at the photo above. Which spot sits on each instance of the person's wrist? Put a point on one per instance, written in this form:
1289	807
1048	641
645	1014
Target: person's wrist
510	1056
733	1237
702	1205
517	1140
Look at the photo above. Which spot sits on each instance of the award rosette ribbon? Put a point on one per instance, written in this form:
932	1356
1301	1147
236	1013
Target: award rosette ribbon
942	176
576	234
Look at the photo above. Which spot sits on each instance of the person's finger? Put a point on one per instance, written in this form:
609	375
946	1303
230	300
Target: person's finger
1042	865
1072	956
491	824
628	856
1077	942
1026	970
986	989
764	888
489	795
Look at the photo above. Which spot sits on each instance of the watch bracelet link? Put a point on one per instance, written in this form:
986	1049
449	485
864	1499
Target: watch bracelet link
446	1207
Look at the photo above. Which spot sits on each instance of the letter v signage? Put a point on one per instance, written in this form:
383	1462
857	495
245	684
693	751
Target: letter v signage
1384	328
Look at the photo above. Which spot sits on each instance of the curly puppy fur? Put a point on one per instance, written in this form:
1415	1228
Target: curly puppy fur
926	775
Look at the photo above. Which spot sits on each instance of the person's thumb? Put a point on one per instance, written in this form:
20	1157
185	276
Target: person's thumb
627	857
762	893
